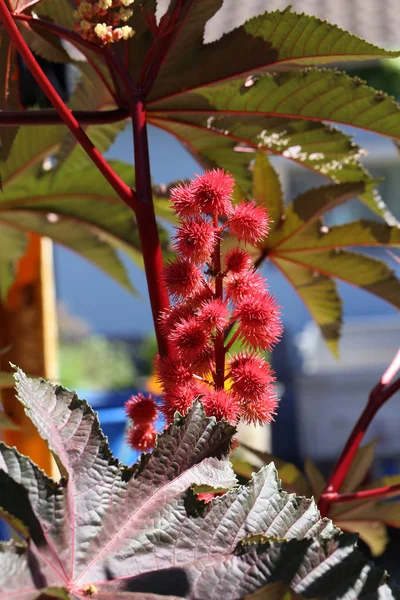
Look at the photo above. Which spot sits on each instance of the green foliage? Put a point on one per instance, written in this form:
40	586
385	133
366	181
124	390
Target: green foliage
110	530
311	255
96	363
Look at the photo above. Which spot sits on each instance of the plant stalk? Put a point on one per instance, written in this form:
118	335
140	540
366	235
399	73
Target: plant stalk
120	187
382	492
219	294
147	224
379	395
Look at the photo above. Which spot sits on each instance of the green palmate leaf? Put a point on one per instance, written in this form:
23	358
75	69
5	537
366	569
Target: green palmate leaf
325	95
44	43
309	254
230	142
319	294
267	188
120	532
368	273
280	40
90	94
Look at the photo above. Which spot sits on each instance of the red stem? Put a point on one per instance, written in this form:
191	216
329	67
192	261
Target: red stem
14	118
123	190
381	492
378	396
219	294
147	224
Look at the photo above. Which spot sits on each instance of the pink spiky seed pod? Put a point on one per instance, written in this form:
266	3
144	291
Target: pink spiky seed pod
249	222
142	437
214	315
180	399
237	261
260	325
195	240
212	192
172	316
222	405
183	279
183	201
141	409
240	286
259	412
190	339
251	376
173	372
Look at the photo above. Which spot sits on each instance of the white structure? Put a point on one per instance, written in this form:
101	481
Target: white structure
331	394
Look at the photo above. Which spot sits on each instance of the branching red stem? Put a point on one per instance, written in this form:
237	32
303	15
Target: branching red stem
120	187
378	396
147	224
382	492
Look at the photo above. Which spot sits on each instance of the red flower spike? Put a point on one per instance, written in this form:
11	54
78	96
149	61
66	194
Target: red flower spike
246	284
251	376
212	192
203	364
190	339
184	201
249	222
171	317
142	437
214	315
262	411
195	240
237	261
221	405
180	400
183	279
141	409
260	324
205	294
173	372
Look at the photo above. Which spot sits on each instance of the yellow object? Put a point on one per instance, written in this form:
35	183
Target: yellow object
28	329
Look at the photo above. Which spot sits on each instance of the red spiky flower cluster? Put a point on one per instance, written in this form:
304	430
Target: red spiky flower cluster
219	299
142	412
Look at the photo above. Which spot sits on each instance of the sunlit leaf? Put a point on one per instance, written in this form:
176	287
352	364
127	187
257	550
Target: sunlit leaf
267	189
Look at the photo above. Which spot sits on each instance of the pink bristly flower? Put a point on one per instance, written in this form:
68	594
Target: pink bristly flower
245	284
237	260
206	293
222	405
203	364
180	399
172	316
212	192
173	372
195	240
251	376
190	339
214	315
249	222
184	201
260	411
141	409
142	437
260	325
183	279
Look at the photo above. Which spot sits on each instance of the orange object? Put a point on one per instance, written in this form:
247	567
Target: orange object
28	328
